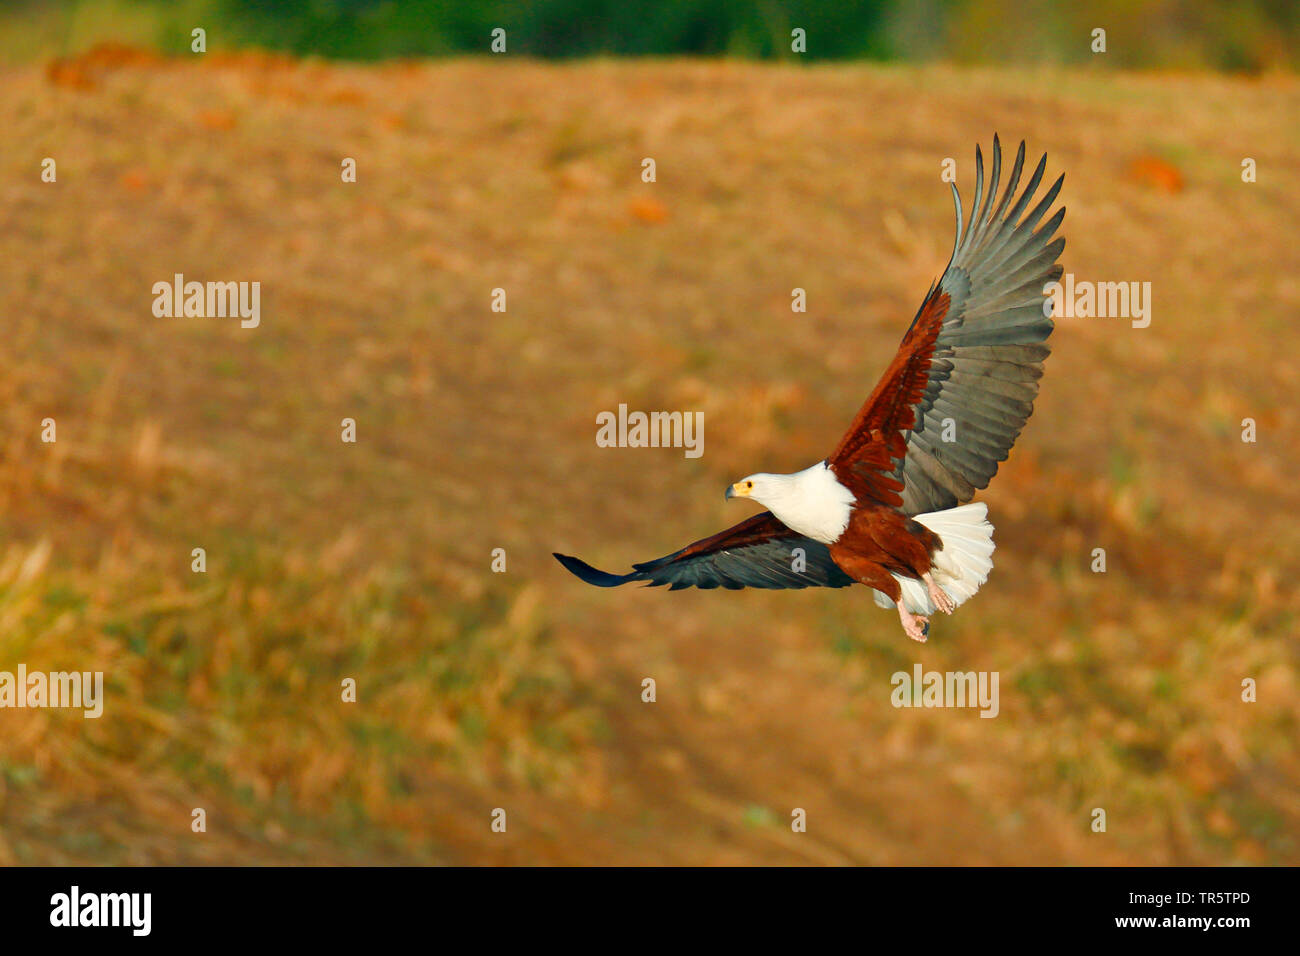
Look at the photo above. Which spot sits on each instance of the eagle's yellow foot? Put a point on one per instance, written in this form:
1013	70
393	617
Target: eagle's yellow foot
916	626
938	595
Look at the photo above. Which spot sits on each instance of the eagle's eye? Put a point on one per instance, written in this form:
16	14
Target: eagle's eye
749	486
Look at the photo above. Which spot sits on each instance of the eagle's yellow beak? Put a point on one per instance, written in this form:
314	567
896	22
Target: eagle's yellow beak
740	489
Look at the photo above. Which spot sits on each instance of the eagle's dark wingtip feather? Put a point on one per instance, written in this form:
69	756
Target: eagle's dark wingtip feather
601	579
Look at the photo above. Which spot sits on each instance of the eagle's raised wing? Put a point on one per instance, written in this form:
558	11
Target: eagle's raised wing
757	553
973	355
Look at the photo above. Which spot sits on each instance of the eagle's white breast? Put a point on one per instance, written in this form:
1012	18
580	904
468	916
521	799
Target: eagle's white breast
812	501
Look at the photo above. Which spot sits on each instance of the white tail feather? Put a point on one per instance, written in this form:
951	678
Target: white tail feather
960	567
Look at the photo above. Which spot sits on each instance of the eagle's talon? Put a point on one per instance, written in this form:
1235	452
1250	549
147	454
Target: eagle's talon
939	596
916	626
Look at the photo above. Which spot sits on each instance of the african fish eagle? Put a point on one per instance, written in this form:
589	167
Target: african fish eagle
888	507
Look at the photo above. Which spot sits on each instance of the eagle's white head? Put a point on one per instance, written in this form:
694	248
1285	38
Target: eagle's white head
812	501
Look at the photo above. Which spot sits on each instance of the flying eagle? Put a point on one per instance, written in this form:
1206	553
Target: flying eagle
887	507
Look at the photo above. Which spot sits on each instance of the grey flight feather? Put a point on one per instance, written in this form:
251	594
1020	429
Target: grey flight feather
989	353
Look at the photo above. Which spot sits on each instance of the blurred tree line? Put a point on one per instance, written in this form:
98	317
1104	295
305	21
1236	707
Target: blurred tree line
1219	34
564	28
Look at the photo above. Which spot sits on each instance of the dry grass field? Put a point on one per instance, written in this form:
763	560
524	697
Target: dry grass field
476	431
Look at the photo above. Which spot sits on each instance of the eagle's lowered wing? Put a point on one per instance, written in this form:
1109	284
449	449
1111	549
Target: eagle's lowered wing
757	553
